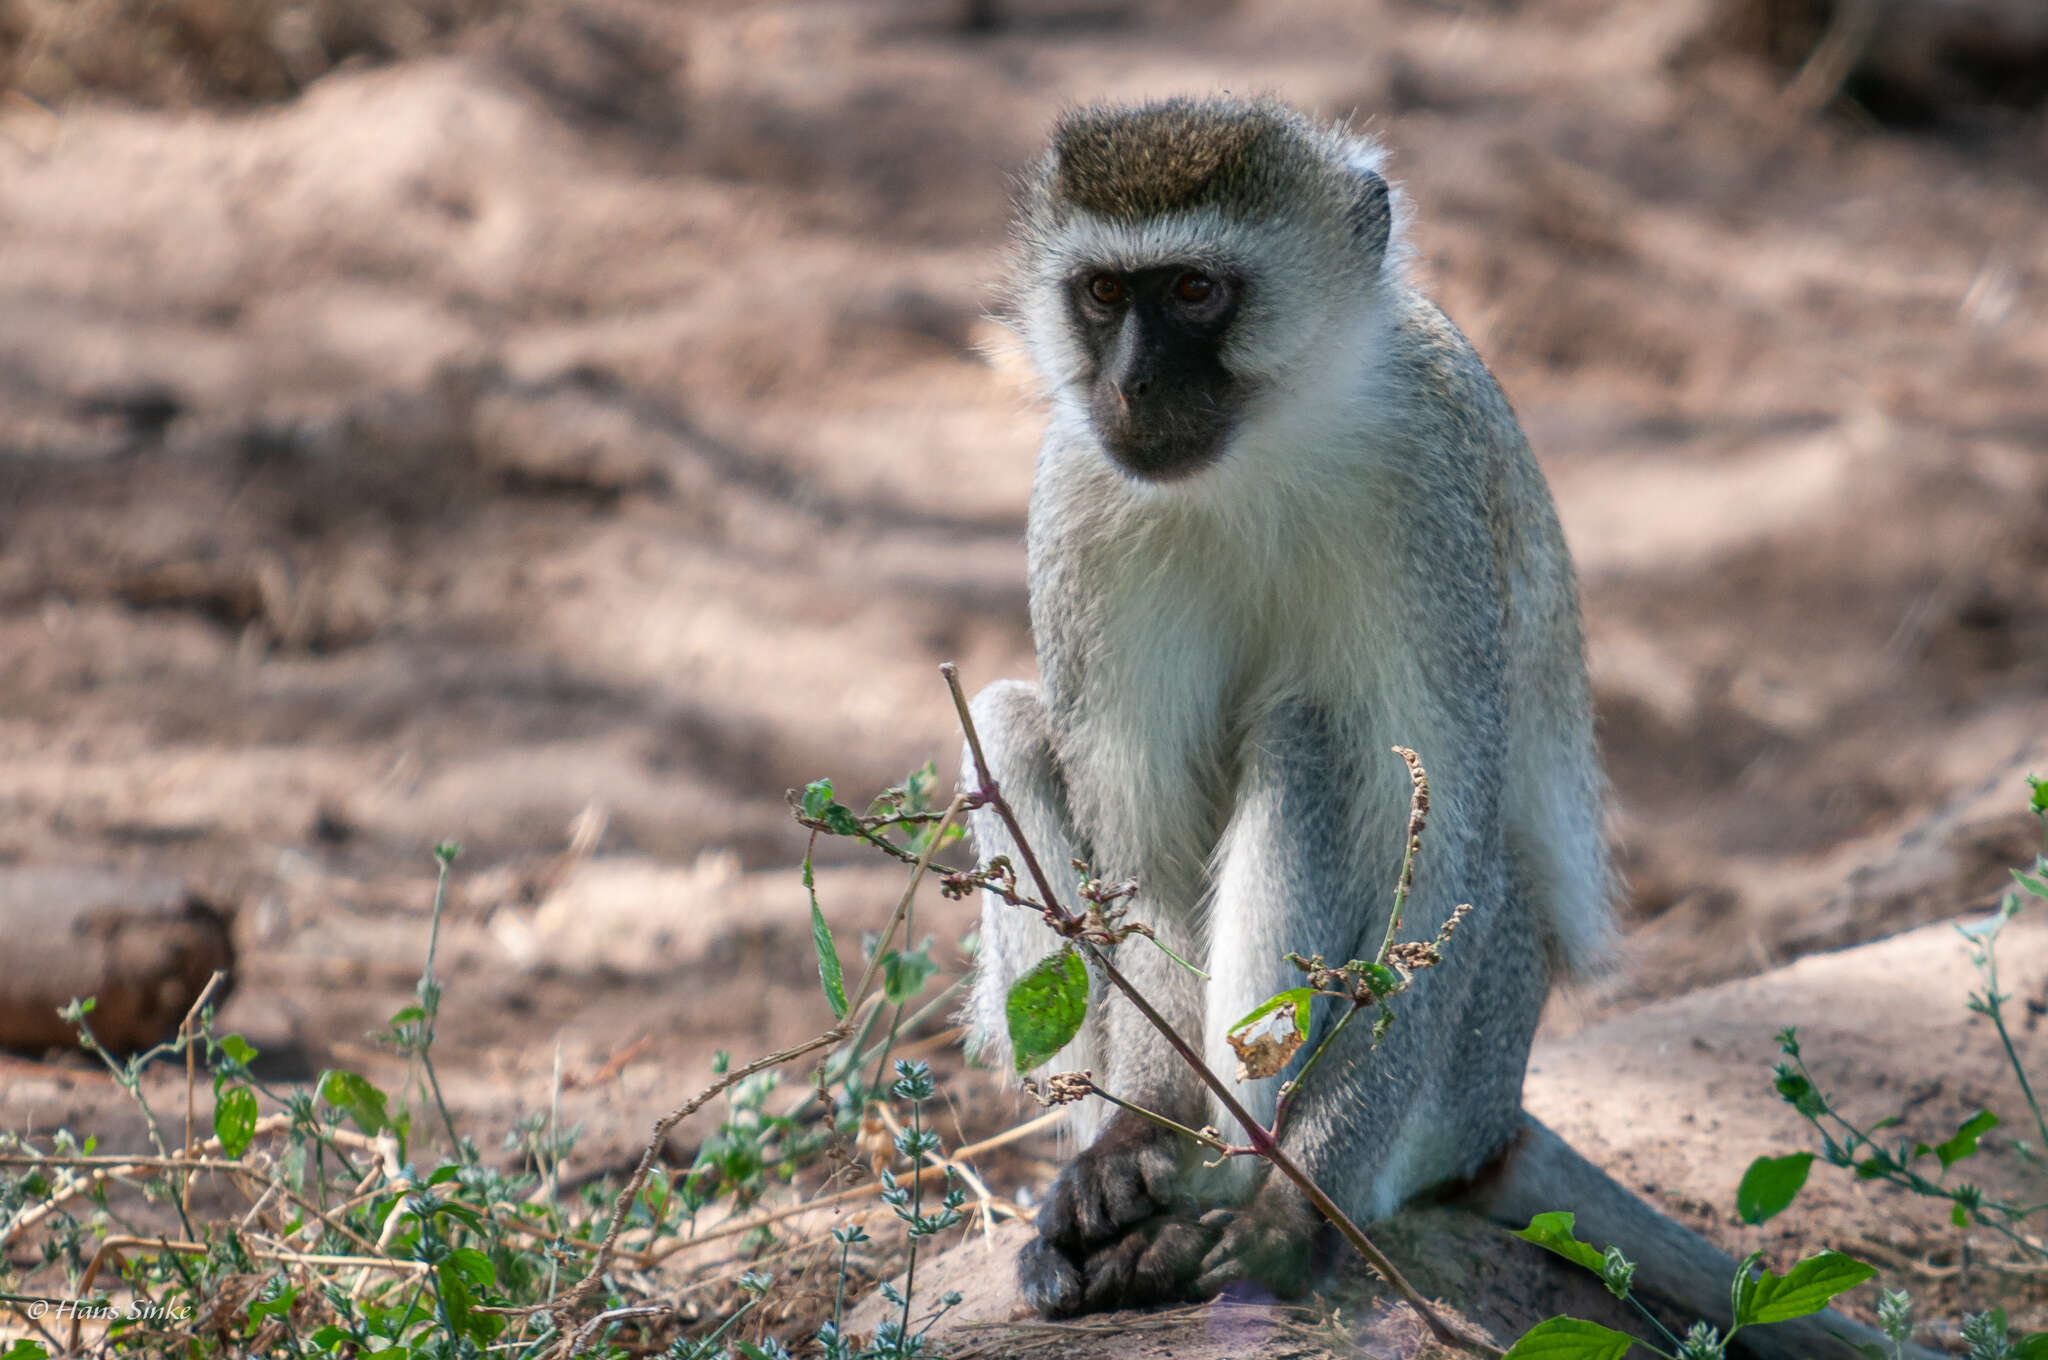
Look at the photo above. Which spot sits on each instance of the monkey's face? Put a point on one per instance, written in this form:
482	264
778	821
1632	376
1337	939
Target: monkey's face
1159	395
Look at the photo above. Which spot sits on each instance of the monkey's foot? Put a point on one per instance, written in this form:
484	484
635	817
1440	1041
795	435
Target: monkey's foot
1155	1262
1269	1242
1128	1174
1106	1236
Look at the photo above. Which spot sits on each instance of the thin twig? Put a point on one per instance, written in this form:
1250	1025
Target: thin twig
116	1244
430	1002
191	1072
855	1193
1418	818
589	1330
1204	1137
924	862
1840	47
623	1205
113	1166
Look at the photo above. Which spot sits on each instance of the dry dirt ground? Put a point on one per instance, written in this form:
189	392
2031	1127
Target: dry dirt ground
592	416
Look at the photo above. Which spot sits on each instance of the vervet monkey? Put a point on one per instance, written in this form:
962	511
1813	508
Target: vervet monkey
1283	520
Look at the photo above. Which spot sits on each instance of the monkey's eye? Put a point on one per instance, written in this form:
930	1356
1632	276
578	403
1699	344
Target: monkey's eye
1107	289
1194	287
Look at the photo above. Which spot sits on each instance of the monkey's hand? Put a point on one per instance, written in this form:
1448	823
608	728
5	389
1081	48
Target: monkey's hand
1268	1241
1107	1236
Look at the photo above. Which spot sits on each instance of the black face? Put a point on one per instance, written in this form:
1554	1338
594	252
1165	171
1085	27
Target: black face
1160	397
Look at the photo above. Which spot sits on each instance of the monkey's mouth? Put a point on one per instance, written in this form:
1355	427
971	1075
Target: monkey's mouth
1153	448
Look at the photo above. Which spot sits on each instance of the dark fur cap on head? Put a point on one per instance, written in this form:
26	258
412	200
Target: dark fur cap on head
1297	210
1236	157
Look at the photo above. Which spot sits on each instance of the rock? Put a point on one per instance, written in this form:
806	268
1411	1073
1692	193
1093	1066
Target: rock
1501	1287
141	944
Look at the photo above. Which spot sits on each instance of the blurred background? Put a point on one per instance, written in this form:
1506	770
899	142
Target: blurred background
562	426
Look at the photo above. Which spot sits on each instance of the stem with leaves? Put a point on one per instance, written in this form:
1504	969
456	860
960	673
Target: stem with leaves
430	998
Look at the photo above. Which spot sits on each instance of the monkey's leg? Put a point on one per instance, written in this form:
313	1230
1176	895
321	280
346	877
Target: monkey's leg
1306	867
1111	1195
1101	1218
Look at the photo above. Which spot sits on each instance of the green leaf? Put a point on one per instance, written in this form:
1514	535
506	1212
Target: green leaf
330	1337
356	1097
905	972
26	1350
818	806
476	1267
2036	886
406	1016
1806	1288
1965	1140
1567	1338
234	1119
1382	979
238	1048
1046	1006
2032	1346
1742	1290
1301	998
454	1295
1553	1232
1958	1215
817	797
828	954
273	1307
1770	1184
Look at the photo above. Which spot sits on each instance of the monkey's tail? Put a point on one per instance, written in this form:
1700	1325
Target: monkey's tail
1676	1267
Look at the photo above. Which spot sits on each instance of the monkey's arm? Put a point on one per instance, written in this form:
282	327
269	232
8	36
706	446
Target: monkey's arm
1307	866
1104	1238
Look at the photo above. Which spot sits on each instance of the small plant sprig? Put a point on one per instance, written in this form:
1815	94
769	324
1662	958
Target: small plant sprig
898	1339
1757	1298
1772	1183
410	1030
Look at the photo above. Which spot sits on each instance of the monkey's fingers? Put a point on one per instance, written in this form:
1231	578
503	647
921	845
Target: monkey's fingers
1263	1243
1154	1263
1049	1281
1128	1175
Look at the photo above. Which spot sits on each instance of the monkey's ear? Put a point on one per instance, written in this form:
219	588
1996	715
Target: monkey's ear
1371	210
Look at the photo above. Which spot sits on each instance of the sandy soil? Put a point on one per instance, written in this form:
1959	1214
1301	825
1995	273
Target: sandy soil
592	416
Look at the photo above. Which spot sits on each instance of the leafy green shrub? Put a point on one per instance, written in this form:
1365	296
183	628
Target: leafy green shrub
360	1239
